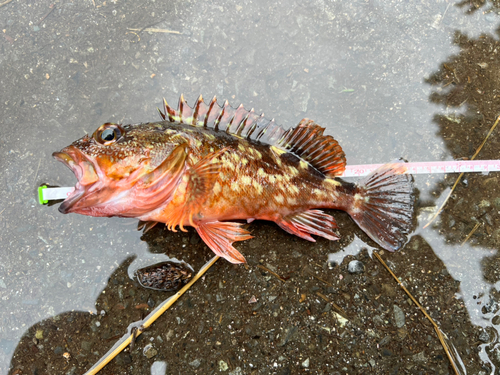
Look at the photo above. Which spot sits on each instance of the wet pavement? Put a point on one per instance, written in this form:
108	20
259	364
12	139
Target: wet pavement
387	79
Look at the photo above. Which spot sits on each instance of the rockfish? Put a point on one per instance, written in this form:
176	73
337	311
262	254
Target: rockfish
209	166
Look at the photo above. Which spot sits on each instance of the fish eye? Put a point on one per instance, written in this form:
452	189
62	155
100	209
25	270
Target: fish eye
108	134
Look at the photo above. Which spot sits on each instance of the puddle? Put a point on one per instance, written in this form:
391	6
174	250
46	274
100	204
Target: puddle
387	80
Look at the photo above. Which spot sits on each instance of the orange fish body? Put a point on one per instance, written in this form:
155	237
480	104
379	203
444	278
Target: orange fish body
208	166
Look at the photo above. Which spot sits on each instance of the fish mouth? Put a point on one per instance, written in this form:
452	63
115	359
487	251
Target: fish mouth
84	172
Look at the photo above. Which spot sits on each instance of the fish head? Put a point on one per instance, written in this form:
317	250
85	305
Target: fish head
111	167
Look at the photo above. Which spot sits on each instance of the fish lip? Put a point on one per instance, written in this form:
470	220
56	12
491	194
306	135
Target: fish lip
70	157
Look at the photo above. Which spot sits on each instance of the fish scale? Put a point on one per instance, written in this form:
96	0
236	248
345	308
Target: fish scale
210	166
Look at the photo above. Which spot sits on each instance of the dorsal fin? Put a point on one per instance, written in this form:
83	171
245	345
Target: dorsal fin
307	141
235	121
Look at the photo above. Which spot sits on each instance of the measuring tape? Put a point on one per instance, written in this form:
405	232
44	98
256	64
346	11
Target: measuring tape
45	194
455	166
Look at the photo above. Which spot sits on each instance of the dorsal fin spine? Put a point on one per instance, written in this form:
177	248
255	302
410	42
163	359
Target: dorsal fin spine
161	113
169	111
210	111
181	106
196	112
235	121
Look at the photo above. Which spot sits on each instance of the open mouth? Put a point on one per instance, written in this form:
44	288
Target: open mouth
84	172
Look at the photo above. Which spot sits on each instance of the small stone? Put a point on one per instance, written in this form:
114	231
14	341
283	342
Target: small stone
386	352
196	363
86	345
58	350
123	359
496	320
39	334
159	368
356	267
288	335
305	364
419	357
151	302
484	337
399	316
223	365
384	341
236	371
149	351
372	363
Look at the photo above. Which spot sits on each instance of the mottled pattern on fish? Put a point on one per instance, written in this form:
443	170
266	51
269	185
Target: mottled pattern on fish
207	165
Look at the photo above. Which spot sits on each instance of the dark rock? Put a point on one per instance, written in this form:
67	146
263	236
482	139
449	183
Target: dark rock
58	350
387	352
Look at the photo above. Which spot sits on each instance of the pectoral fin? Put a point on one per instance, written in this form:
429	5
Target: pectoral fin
203	175
219	237
200	181
172	166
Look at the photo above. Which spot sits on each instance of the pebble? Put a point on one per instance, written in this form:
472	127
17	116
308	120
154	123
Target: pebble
149	351
484	337
159	368
496	320
86	345
419	357
196	363
39	334
305	364
236	371
288	335
356	267
223	365
399	316
386	352
58	350
123	359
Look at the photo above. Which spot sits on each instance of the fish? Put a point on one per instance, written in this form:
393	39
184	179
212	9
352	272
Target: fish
165	276
213	167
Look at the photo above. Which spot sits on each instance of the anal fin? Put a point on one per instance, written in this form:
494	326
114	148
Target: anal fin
310	222
219	236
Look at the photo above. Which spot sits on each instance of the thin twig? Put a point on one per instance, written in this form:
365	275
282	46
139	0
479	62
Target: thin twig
339	309
155	314
154	30
316	277
440	334
470	234
461	174
52	7
36	173
271	272
5	3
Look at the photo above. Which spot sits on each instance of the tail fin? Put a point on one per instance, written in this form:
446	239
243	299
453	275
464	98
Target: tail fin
383	205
